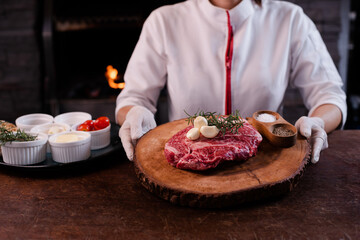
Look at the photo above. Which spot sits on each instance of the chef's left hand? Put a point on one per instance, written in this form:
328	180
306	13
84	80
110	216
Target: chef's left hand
313	129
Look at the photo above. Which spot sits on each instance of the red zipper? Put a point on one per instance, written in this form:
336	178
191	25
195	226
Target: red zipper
228	61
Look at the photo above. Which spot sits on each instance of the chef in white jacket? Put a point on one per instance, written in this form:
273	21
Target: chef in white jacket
226	55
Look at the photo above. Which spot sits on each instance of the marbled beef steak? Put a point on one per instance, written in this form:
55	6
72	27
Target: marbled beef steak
205	153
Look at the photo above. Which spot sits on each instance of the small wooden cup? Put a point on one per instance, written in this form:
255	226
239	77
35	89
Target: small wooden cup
267	129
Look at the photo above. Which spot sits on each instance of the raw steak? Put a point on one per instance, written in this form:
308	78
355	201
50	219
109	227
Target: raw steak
205	153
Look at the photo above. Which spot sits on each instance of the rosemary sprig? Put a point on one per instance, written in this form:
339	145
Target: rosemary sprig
11	136
230	123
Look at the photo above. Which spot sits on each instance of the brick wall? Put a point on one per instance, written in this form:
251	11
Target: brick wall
20	58
326	15
20	75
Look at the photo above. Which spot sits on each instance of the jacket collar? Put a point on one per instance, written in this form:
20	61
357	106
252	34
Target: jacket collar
238	14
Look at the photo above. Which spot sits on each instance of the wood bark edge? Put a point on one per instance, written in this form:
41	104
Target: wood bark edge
192	199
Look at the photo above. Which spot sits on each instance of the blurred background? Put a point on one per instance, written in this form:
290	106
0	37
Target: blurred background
59	55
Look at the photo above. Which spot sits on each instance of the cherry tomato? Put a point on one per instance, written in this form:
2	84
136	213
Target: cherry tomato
90	123
101	123
83	127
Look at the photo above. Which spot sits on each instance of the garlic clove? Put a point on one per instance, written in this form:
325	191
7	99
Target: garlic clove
193	134
209	131
200	121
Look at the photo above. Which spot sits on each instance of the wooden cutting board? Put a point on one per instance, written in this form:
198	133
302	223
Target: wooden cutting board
273	171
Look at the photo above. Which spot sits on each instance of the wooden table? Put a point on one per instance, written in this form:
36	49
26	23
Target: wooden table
104	200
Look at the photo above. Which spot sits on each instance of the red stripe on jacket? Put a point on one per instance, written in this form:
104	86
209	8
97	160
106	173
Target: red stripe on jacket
228	62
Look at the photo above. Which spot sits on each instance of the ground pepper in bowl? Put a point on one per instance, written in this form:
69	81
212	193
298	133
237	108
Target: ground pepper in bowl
282	131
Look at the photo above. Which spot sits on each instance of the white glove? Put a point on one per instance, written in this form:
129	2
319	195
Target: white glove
313	129
139	120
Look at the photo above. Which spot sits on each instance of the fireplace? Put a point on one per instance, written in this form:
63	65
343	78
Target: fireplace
82	40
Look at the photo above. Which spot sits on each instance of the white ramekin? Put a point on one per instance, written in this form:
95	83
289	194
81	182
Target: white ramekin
45	129
25	153
99	138
70	151
26	122
72	118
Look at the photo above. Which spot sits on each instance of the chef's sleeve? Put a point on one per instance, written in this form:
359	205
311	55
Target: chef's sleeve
145	74
312	69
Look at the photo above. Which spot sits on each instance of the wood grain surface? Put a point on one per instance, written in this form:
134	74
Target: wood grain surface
273	171
104	200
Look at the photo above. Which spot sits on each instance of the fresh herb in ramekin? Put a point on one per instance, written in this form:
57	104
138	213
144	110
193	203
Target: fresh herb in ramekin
231	123
12	136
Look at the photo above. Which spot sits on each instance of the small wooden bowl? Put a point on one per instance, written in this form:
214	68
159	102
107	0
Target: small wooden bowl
271	130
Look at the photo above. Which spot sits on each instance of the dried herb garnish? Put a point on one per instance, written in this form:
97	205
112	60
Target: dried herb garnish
11	136
230	123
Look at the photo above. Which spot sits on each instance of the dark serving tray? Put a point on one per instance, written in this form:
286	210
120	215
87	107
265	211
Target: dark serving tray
115	144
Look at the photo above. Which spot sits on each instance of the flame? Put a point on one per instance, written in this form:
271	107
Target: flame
112	75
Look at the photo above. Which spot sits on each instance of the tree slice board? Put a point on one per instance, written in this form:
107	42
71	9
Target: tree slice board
273	171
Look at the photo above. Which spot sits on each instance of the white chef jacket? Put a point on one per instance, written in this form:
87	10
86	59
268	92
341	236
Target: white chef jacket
184	46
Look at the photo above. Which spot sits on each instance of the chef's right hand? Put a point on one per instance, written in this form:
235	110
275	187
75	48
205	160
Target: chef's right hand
139	120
